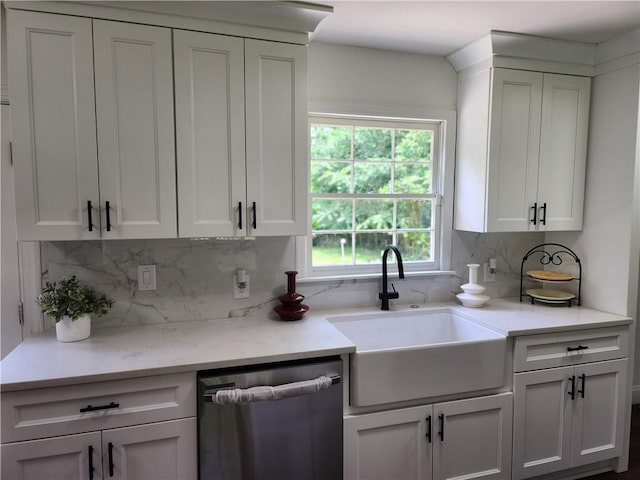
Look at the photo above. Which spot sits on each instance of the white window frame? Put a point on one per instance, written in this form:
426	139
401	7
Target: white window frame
442	185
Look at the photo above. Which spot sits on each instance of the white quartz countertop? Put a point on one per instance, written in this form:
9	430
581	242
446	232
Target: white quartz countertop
513	318
133	351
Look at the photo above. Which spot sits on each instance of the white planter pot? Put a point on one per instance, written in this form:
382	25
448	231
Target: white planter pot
68	330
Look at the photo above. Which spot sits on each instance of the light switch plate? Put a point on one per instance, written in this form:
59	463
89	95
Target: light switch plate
146	277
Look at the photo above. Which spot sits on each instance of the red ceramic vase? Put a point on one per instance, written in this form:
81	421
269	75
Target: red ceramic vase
292	307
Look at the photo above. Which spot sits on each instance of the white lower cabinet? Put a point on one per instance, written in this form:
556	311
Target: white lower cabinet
164	450
568	416
142	428
460	439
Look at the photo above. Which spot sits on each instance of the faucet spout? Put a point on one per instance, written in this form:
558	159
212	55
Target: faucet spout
385	294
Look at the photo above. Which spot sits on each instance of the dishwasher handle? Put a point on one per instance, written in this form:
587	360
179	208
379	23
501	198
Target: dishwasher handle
239	396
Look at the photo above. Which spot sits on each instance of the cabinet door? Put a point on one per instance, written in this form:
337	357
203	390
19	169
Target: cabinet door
598	419
516	105
134	112
542	422
72	456
50	62
209	76
276	130
472	438
386	445
563	151
155	451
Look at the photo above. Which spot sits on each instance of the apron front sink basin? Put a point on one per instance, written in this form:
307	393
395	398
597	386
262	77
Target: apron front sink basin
417	354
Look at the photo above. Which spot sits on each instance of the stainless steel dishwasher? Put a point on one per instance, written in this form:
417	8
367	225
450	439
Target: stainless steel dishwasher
276	421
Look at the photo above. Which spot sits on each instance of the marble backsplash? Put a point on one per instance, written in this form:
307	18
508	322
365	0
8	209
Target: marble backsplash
194	277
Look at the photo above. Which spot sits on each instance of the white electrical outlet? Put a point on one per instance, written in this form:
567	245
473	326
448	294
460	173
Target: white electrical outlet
488	276
241	289
146	277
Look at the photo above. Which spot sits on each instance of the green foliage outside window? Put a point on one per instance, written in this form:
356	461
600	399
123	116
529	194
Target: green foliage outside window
358	166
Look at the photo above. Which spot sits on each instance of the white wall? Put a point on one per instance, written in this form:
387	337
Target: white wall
345	75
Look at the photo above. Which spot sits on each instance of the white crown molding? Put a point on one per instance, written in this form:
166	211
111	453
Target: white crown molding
619	52
280	21
514	50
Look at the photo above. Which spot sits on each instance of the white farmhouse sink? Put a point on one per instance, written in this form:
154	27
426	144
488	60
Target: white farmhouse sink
418	354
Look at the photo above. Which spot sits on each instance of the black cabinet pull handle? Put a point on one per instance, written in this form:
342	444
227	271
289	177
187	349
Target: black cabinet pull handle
110	459
91	462
90	408
108	209
441	432
240	215
253	207
577	349
581	391
572	392
543	217
429	429
535	213
89	215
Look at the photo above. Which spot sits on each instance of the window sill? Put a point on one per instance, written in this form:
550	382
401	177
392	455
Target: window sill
373	276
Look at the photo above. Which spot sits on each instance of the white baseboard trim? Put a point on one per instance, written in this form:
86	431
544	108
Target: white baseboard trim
635	394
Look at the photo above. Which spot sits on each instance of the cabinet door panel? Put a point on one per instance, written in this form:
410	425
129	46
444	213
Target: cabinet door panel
53	118
277	163
563	150
388	445
598	419
52	458
155	451
516	108
209	76
134	111
476	438
542	422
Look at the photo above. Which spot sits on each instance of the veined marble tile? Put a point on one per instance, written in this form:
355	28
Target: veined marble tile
194	278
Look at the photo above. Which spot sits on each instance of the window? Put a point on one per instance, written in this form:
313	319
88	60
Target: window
373	182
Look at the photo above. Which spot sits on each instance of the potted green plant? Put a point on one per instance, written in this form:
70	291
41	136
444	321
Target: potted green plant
71	305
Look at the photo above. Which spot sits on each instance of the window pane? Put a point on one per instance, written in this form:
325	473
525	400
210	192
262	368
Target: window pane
330	142
369	246
331	250
414	145
413	179
331	214
415	246
372	143
330	177
414	213
372	178
374	214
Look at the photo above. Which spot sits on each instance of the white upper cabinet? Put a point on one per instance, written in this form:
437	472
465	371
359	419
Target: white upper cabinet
134	110
276	112
521	151
100	152
50	60
209	76
71	182
241	136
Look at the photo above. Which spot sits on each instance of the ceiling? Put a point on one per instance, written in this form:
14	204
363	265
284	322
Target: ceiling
441	27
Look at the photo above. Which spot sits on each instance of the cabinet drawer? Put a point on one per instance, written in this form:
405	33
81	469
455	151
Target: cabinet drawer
570	348
48	412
